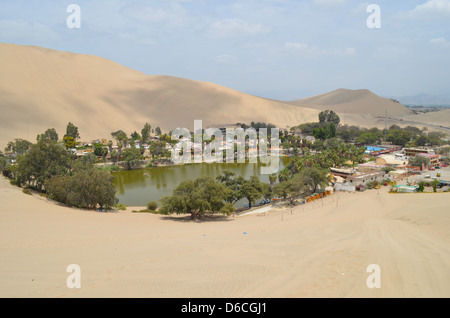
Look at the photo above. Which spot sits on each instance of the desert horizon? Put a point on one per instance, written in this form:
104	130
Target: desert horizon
101	96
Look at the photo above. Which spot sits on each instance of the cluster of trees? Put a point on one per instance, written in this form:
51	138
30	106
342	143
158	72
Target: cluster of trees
418	161
132	156
324	129
445	152
84	187
307	181
407	136
207	195
309	173
49	167
423	184
197	197
258	125
331	153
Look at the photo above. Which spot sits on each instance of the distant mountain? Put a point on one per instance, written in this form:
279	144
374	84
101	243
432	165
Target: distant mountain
361	101
424	100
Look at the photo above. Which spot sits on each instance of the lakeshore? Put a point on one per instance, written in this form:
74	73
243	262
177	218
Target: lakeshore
320	249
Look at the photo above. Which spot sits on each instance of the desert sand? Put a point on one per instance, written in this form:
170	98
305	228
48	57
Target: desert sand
42	88
321	249
359	101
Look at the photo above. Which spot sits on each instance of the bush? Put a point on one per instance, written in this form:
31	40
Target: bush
372	184
87	188
26	191
13	181
146	211
109	168
120	206
152	206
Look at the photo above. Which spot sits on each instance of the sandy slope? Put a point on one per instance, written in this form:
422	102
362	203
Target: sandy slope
42	88
440	118
318	250
360	101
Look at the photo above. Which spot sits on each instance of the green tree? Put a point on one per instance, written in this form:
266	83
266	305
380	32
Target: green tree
69	142
89	158
135	136
421	186
72	131
121	140
284	174
87	187
58	187
49	134
233	183
398	137
272	179
18	146
145	133
131	157
267	191
320	133
158	131
98	150
251	189
291	189
421	141
435	138
366	138
434	184
418	161
314	178
152	206
114	156
196	197
329	116
42	161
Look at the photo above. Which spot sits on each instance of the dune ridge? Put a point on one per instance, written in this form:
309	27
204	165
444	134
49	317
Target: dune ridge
359	101
43	88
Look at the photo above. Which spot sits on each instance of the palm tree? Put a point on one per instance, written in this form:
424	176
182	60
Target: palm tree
110	144
119	149
284	175
272	179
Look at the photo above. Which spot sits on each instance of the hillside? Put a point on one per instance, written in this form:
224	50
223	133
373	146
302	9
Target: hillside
43	88
361	101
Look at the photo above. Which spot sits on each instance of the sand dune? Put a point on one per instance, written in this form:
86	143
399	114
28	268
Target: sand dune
440	118
43	88
321	249
361	101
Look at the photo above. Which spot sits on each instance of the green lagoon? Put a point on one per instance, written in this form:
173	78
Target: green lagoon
137	187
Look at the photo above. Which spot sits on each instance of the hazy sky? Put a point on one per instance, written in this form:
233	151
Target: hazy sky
281	49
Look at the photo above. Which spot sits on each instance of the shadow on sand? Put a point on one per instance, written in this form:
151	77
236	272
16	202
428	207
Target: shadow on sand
203	219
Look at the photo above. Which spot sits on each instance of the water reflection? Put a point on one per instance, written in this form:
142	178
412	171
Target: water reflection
137	187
